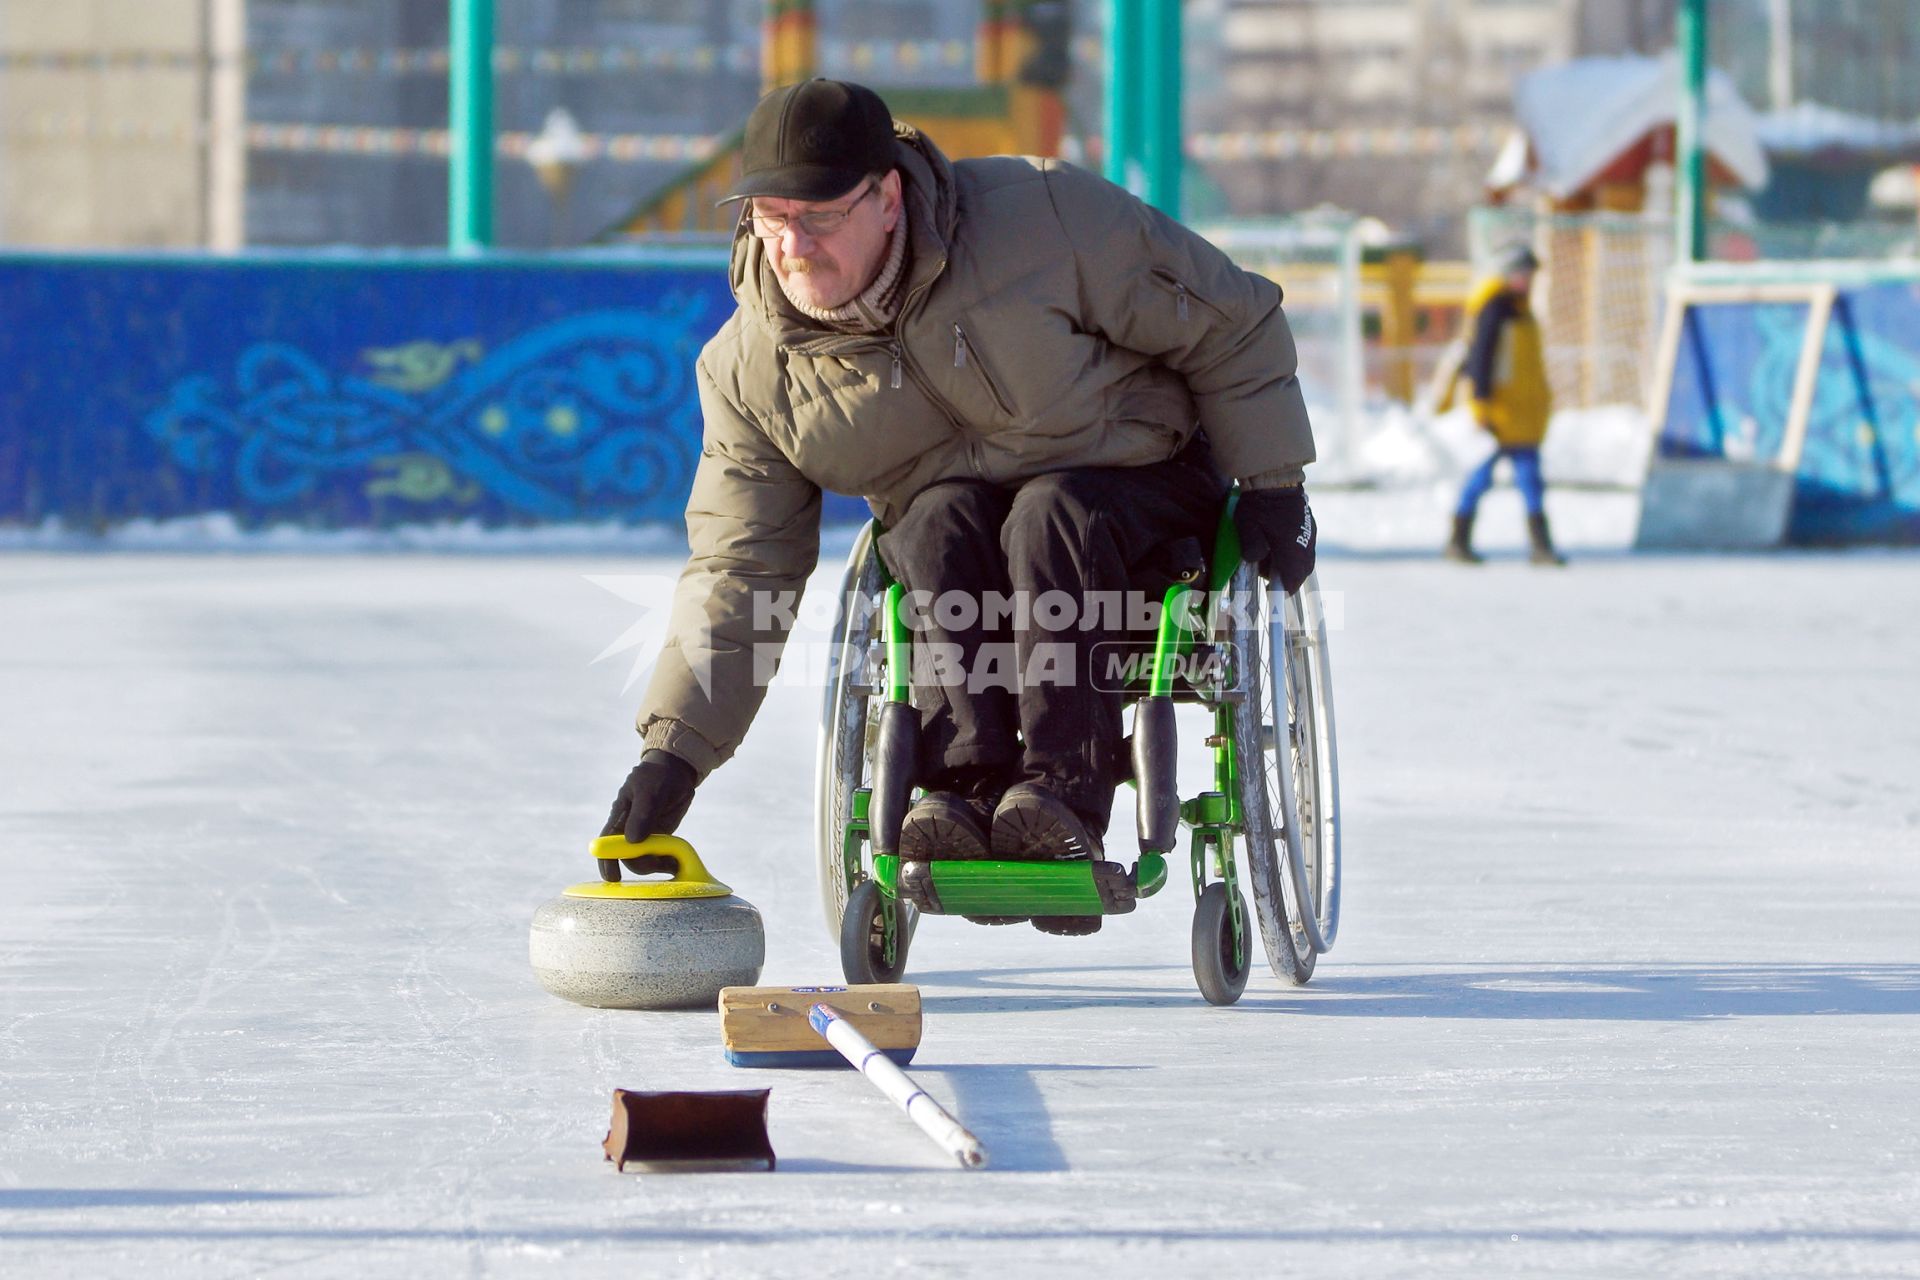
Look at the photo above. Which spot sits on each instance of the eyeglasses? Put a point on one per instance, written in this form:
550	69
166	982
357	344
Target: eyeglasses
771	226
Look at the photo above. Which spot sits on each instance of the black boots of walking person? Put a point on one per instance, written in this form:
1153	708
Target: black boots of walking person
1540	548
1459	547
1540	541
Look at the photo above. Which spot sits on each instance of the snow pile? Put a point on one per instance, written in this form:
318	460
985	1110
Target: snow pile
1398	447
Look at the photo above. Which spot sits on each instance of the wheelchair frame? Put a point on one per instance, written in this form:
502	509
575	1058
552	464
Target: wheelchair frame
1270	670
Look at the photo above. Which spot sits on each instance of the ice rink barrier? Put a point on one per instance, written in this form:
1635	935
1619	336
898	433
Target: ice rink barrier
337	390
1811	375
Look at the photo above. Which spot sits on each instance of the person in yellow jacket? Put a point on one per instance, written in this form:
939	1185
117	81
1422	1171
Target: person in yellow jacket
1511	400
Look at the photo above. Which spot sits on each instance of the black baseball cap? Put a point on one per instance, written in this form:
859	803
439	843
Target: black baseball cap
813	141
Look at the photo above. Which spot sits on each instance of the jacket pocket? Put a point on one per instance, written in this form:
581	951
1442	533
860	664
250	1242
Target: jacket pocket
965	355
1185	300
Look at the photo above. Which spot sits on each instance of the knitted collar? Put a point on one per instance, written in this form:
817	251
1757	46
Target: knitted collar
873	310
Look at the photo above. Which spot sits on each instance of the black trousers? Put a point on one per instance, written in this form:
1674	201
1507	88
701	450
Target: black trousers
1008	687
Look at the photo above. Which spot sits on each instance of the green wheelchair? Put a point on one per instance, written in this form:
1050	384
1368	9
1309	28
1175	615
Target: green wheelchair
1253	665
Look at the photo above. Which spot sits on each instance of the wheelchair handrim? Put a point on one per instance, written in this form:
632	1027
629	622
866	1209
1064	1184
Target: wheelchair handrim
840	759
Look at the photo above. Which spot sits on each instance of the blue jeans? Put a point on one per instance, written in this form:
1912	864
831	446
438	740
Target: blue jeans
1526	478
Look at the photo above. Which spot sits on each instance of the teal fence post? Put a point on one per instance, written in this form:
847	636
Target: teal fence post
1163	146
1690	162
1126	48
470	122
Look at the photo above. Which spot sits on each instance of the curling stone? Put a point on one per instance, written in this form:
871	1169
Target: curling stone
647	944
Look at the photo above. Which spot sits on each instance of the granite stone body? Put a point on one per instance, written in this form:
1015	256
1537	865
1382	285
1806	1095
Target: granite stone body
637	953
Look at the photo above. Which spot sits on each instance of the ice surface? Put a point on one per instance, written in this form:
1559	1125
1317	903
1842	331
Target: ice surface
1628	983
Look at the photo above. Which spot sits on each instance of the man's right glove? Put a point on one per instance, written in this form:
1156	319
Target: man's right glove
1278	534
652	801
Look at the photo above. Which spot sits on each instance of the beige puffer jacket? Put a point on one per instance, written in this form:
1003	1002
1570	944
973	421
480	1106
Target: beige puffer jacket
1049	320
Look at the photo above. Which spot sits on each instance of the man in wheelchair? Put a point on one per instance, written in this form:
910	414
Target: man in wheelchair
1038	383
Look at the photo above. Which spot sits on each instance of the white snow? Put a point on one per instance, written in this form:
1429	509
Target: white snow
1807	128
1398	447
1627	985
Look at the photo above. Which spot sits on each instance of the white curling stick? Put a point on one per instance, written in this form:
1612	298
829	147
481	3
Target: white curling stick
898	1085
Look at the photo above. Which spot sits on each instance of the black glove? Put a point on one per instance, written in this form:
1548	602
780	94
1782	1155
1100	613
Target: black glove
1277	534
652	801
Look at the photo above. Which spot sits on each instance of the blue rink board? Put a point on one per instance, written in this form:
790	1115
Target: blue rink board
1858	478
354	391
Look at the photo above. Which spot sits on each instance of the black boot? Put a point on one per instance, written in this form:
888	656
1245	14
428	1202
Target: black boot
1460	547
1068	926
947	824
1034	824
1542	541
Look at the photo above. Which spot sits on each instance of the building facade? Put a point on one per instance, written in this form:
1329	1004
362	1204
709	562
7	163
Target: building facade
1391	108
106	114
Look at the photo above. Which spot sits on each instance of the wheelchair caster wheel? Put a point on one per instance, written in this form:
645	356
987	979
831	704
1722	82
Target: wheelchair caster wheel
863	946
1219	965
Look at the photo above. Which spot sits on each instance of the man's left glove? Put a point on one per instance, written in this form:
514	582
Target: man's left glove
652	801
1278	534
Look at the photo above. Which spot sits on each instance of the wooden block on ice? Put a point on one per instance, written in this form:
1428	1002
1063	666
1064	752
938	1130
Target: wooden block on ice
767	1026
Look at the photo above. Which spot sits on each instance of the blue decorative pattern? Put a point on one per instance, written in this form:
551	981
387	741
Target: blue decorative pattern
590	415
342	393
1859	472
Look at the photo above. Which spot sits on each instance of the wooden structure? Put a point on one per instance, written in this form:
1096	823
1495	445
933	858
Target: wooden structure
1601	137
1017	108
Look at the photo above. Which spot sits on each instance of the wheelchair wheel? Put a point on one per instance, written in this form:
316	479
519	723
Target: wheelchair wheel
1220	966
1289	777
848	722
1316	758
863	952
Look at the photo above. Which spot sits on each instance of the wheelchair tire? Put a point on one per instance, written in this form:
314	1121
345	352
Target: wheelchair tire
847	722
862	937
1316	759
1221	973
1289	796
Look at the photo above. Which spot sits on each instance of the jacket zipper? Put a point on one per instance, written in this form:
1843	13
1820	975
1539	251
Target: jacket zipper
1183	297
926	389
896	353
960	348
940	402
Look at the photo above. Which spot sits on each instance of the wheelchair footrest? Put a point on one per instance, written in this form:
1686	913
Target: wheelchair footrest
1005	888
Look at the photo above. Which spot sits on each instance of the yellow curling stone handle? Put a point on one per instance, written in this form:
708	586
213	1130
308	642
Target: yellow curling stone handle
691	879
